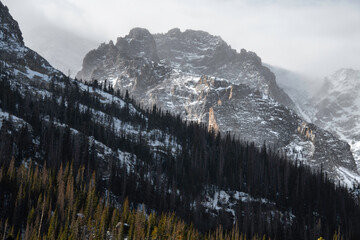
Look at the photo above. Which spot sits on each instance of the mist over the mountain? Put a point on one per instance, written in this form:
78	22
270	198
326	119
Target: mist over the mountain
314	38
62	48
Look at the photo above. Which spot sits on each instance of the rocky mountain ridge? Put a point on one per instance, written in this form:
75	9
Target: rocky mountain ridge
201	53
200	77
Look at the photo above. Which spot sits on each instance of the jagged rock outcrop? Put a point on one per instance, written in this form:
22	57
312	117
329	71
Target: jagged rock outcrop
213	126
132	63
202	53
139	43
9	28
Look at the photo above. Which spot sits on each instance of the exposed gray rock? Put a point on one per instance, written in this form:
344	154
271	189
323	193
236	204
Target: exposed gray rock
202	53
9	28
139	43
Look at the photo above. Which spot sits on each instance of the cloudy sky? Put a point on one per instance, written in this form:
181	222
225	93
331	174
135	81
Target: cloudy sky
313	37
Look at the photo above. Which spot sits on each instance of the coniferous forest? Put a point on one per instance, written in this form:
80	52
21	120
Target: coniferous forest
56	184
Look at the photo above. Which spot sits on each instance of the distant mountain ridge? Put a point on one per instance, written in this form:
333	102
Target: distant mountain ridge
200	77
336	108
332	104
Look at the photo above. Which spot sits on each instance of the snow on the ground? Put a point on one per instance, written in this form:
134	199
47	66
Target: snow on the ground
18	122
158	140
103	151
347	177
300	150
107	98
222	198
355	149
227	200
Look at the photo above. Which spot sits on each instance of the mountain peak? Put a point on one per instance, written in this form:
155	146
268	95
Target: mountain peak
139	33
174	32
9	28
138	43
201	53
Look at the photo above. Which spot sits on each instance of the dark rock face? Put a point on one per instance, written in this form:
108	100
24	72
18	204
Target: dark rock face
139	43
201	78
9	28
194	51
132	57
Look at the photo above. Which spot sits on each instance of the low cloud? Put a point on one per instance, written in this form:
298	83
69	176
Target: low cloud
312	37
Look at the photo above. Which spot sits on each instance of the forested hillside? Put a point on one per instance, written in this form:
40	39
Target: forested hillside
64	205
154	160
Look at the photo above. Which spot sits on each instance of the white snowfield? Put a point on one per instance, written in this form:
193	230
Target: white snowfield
226	200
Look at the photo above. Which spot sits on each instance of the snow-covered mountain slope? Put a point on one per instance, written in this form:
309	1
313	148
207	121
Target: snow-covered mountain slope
336	107
238	94
30	75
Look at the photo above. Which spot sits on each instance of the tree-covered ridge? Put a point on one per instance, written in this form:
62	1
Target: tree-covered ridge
40	203
63	127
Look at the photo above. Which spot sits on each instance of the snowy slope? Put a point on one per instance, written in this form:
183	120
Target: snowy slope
33	77
337	108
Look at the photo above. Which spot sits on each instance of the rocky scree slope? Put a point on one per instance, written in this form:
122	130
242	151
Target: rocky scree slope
200	77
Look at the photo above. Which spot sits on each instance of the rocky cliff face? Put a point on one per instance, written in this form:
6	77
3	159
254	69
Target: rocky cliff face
9	28
239	110
132	63
200	77
204	54
139	43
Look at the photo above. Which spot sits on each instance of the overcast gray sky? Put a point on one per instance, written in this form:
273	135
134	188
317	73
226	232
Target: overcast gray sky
314	37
